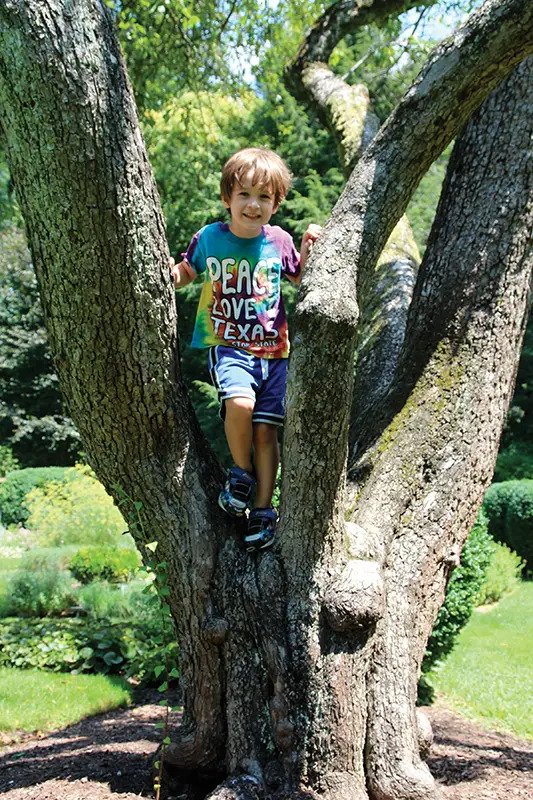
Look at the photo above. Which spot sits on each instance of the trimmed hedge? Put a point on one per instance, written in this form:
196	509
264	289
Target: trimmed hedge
16	486
104	564
78	645
509	507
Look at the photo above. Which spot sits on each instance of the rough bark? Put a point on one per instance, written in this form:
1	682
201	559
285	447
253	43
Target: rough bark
97	237
285	656
386	291
434	460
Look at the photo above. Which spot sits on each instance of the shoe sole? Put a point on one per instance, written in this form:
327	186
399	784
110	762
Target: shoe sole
232	513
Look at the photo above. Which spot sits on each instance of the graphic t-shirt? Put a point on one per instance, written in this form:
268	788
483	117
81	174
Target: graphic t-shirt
241	304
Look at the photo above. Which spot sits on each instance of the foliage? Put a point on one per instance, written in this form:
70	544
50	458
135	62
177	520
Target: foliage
105	601
488	676
515	461
8	462
74	511
461	593
32	420
33	700
509	507
104	564
186	44
188	141
46	593
503	575
77	645
18	484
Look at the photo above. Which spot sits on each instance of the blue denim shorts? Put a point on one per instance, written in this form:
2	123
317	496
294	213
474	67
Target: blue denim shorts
235	373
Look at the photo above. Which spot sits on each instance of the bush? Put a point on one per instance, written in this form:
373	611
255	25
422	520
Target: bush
17	484
101	600
104	564
514	463
76	511
509	507
461	594
40	594
8	462
503	575
77	645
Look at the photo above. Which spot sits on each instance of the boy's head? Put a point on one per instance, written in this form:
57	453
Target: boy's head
263	166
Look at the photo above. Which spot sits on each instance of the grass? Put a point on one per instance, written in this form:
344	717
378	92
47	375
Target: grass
31	700
488	676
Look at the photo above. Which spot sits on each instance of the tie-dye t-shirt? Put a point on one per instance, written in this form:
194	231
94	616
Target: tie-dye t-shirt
241	304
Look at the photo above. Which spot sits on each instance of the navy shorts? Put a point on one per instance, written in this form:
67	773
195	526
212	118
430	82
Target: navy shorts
235	373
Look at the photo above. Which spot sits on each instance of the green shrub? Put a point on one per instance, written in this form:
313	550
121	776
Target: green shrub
78	645
8	462
104	601
509	507
104	564
514	463
17	484
503	575
461	593
77	511
40	594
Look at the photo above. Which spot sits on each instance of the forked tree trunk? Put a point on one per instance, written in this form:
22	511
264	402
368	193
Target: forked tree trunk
299	665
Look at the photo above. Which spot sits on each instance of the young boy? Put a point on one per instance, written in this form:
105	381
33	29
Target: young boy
241	319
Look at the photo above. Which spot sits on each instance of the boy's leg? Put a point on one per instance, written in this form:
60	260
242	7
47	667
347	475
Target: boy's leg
238	430
266	456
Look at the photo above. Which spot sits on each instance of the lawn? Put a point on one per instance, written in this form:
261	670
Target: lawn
42	701
489	676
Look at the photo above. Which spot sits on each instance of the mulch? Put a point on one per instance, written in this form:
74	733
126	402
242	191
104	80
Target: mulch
108	757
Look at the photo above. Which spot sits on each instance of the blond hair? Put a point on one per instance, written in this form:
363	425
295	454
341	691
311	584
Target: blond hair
268	169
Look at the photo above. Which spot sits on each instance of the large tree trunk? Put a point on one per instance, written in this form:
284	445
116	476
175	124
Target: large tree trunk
299	666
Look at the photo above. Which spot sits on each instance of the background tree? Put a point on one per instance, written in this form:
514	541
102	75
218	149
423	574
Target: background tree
300	666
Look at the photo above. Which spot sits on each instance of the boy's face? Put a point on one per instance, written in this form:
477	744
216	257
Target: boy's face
250	206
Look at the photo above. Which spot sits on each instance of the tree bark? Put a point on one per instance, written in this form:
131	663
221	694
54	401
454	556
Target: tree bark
299	666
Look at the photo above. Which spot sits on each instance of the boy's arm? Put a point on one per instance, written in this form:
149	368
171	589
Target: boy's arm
308	239
182	273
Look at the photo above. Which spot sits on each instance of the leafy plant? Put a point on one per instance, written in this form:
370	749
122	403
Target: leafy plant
40	594
18	484
104	601
461	594
104	564
8	462
78	645
503	575
77	510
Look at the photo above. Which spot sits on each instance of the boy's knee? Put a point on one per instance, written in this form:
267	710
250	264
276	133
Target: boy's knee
239	405
264	433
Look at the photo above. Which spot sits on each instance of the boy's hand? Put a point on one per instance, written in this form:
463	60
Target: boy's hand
308	239
182	273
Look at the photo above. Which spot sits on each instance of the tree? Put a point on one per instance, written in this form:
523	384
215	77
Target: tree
299	666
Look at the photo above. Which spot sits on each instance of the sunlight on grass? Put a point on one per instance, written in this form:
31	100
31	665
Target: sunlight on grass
488	676
42	701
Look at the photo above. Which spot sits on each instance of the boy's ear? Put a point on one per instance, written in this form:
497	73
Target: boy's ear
276	206
224	200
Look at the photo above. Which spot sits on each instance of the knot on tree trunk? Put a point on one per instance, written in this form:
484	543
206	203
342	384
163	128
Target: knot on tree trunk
424	733
355	599
216	630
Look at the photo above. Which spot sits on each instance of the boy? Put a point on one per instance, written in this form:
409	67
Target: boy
241	319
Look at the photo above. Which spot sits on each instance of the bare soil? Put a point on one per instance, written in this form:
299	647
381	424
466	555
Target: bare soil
108	757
